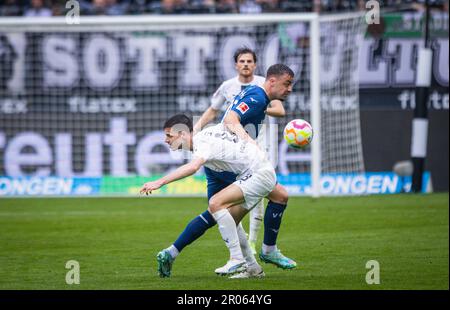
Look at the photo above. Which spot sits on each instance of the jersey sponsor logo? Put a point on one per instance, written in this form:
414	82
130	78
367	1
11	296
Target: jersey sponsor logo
253	100
243	107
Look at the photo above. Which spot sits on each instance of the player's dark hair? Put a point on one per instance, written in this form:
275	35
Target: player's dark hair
278	70
242	51
179	119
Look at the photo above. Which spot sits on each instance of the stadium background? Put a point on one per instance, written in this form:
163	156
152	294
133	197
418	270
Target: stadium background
55	95
115	240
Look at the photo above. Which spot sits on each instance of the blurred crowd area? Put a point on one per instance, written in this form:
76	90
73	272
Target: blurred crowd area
134	7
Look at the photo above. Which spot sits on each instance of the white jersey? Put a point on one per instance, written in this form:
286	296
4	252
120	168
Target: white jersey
229	89
224	151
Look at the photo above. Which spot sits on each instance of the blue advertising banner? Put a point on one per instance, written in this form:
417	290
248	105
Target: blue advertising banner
297	184
48	186
352	184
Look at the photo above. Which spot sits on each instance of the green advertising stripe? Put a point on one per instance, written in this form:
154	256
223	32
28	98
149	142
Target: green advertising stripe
411	25
193	185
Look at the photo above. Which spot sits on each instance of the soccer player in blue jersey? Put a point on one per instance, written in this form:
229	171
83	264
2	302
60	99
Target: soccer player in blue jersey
248	110
243	119
245	63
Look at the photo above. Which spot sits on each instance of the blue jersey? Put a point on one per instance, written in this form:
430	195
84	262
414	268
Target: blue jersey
250	104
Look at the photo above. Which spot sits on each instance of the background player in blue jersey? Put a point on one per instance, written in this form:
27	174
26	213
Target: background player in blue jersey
278	85
245	63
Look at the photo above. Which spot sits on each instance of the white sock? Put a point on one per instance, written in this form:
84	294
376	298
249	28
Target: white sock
245	247
227	228
266	249
256	220
173	251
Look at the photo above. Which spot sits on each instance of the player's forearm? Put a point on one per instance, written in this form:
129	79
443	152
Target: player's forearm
180	173
276	109
234	125
209	115
274	112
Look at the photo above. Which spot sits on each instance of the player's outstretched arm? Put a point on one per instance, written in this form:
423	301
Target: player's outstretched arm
180	173
209	115
276	108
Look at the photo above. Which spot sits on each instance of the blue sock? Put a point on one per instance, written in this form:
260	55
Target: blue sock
194	230
272	222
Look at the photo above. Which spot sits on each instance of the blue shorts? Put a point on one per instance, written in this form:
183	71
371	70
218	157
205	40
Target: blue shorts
217	181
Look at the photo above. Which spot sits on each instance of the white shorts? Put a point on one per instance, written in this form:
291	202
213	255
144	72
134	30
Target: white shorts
256	185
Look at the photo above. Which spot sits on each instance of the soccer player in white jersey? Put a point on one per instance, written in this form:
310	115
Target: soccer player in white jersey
245	63
219	150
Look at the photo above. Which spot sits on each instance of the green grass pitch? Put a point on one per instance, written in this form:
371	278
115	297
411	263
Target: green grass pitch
115	241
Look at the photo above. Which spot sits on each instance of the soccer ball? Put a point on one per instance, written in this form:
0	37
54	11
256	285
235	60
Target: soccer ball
298	133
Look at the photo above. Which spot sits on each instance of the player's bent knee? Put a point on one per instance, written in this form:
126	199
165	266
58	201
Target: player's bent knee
284	196
279	195
214	205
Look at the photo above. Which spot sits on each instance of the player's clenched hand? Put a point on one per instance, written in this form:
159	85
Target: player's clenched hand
148	187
